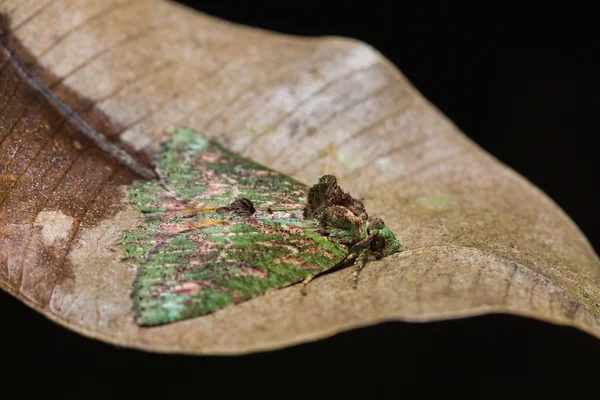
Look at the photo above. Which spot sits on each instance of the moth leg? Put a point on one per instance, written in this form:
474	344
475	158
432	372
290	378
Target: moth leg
349	260
358	266
305	283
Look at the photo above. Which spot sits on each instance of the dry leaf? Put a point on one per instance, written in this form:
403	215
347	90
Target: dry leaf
478	237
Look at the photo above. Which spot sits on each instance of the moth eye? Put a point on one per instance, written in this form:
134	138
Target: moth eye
377	243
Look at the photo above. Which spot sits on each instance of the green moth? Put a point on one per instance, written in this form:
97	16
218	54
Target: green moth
219	229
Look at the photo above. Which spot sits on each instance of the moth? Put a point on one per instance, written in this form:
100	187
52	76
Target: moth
219	229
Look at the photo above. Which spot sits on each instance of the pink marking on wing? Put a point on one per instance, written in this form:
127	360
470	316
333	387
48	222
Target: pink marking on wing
214	189
170	229
261	173
249	271
237	296
178	206
209	157
204	246
291	260
280	215
187	288
294	229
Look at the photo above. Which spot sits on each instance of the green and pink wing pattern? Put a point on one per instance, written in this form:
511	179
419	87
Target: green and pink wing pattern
195	258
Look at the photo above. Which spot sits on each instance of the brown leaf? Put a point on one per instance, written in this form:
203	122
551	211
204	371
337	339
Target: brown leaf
478	237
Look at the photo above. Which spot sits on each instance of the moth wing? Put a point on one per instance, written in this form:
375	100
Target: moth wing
196	258
201	171
207	269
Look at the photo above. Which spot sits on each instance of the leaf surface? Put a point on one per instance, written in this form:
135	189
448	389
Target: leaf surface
477	237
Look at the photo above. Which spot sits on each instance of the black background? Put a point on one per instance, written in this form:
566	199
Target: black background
523	83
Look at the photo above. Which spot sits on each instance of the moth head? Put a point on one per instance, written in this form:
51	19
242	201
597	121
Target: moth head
383	243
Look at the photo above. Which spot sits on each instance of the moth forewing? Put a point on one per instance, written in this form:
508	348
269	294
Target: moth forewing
220	229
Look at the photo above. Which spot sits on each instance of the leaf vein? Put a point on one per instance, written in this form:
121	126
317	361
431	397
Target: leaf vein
32	16
50	137
355	103
125	40
321	90
75	28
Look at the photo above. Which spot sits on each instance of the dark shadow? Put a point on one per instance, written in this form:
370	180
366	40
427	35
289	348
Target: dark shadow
485	355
